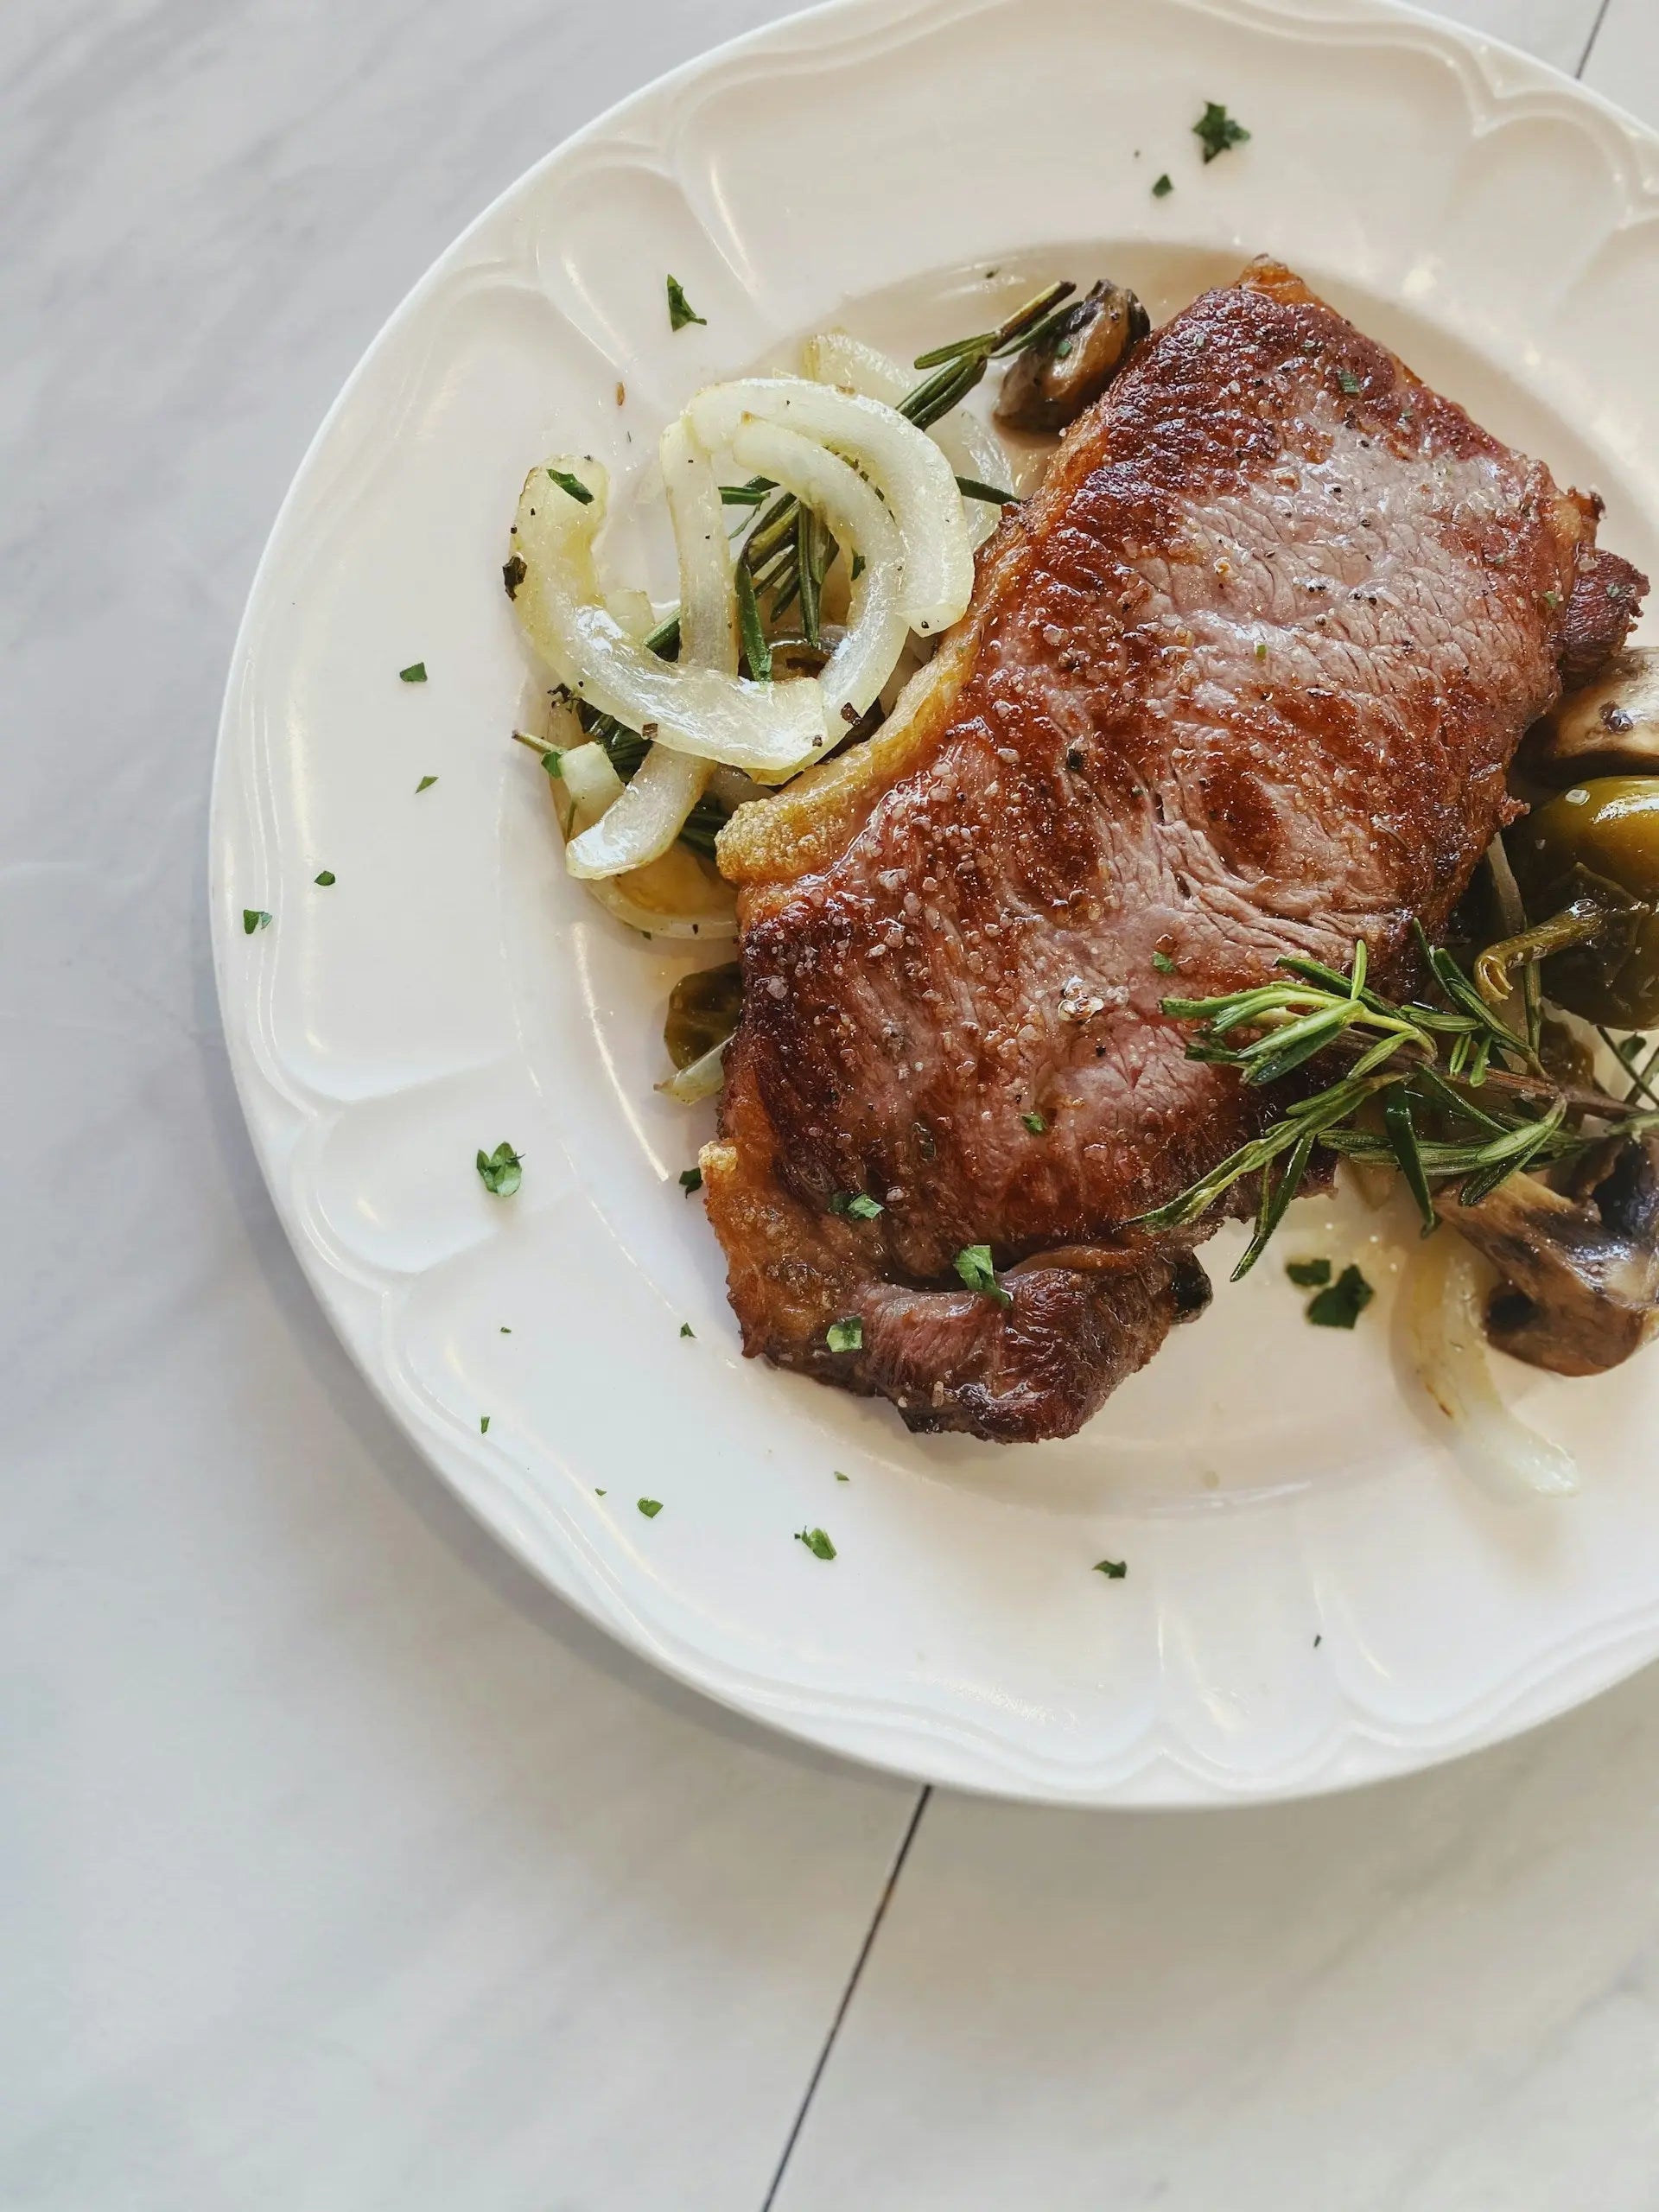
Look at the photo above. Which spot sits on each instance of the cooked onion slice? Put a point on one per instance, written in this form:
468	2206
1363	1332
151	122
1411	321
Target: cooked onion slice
673	896
913	474
770	730
1445	1291
876	629
970	448
649	815
700	1078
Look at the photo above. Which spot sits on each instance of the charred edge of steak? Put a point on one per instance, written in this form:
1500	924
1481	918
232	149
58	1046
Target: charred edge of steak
1076	1327
1606	599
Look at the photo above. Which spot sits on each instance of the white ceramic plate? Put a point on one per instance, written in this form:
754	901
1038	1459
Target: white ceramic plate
1316	1595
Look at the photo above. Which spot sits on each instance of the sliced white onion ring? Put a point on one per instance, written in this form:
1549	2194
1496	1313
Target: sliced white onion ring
835	357
702	1078
770	730
672	896
1445	1291
913	474
868	650
649	814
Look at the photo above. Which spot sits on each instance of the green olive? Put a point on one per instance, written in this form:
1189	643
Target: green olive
1596	848
702	1010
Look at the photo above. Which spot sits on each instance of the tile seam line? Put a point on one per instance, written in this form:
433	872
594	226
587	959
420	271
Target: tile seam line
1595	33
847	1994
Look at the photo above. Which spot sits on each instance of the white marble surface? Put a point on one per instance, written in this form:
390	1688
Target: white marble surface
343	1869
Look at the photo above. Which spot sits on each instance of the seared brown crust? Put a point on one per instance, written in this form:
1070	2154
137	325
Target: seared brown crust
1243	680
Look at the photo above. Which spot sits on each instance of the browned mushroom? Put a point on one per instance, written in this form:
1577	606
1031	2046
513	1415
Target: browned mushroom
1579	1273
1051	384
1608	728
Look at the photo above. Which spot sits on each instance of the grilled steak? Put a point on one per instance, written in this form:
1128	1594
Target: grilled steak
1243	680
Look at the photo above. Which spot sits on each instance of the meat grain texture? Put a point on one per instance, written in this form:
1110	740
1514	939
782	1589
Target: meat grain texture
1243	680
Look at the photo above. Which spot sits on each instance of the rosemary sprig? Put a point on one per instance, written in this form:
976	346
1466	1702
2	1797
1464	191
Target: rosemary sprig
956	368
1420	1061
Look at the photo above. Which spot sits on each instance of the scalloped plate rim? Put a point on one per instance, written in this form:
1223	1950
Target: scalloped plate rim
930	1749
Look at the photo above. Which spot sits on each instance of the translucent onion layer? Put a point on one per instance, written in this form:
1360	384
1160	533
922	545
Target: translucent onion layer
1446	1294
876	631
770	730
910	471
970	448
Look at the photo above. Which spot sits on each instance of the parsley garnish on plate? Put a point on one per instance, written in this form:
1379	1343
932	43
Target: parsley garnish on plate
254	918
1216	130
686	1329
840	1478
483	1424
1163	963
1162	189
855	1204
1035	1123
845	1336
973	1263
513	573
680	309
326	878
415	673
690	1180
500	1172
651	1507
425	785
1308	1275
573	484
1113	1569
1340	1305
817	1543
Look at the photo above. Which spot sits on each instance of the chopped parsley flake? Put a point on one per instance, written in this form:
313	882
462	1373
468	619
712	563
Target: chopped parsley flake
1261	649
500	1172
845	1336
651	1507
1113	1569
573	484
686	1329
425	785
254	918
513	573
483	1424
1036	1124
856	1204
1163	188
1216	130
1349	382
326	878
817	1543
1308	1275
1163	963
1552	599
840	1478
973	1264
690	1180
680	309
1340	1305
415	673
505	1331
